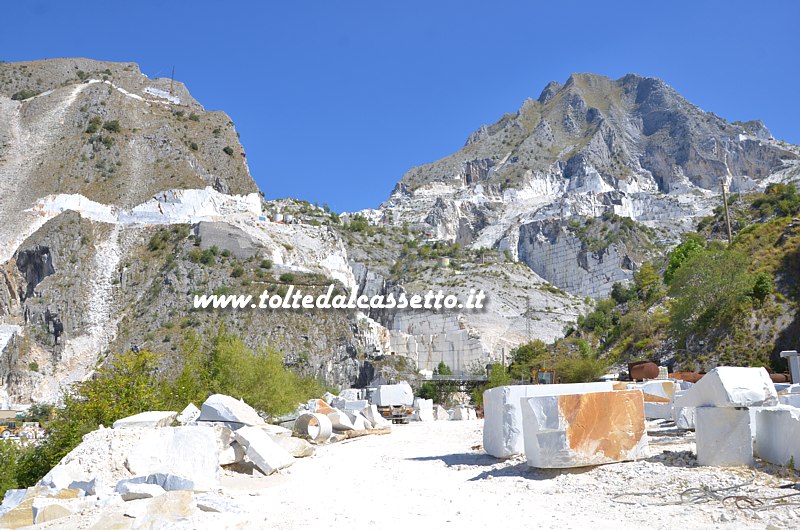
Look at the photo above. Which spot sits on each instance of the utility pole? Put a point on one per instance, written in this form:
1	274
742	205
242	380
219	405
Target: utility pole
528	318
171	79
727	213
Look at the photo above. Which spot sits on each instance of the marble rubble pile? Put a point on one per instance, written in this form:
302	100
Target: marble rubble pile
149	465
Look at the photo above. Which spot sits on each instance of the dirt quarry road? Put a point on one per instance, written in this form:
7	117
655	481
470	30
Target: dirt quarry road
435	475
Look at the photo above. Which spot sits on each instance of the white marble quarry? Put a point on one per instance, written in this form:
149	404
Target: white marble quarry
731	386
502	425
793	400
778	435
340	420
189	414
683	416
463	413
149	419
657	411
657	391
189	452
265	453
423	410
723	436
234	412
575	430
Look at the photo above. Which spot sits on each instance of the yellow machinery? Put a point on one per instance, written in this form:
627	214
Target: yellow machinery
7	430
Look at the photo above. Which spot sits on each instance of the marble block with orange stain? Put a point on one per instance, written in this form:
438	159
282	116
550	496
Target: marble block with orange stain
575	430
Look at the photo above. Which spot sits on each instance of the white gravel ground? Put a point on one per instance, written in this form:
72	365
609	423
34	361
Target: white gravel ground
435	475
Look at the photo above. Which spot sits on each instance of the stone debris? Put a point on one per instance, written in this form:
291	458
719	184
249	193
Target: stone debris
12	498
731	386
144	420
173	509
190	452
574	430
371	413
189	415
275	430
423	410
260	449
440	413
297	447
723	436
99	459
232	454
340	421
684	418
463	412
143	472
132	489
45	509
350	394
234	412
360	423
502	425
317	427
320	406
22	513
210	502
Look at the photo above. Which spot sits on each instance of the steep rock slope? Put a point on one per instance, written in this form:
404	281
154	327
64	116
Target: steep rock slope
632	147
109	183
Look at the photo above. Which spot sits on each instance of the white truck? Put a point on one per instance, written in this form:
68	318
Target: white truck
394	402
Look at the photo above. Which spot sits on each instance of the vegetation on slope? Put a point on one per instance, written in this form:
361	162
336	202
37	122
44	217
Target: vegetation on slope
139	381
710	303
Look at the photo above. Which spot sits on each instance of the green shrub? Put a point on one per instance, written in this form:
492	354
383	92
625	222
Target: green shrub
10	453
266	264
259	378
498	376
286	277
24	94
237	272
762	287
112	126
228	150
194	146
94	125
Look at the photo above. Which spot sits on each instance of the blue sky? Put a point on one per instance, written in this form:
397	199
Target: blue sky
336	100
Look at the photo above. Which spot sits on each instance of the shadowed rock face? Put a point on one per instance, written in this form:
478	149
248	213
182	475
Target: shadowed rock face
35	265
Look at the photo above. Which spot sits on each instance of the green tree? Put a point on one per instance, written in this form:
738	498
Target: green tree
680	255
648	283
9	463
124	385
526	358
191	383
259	378
443	369
762	287
709	290
498	376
